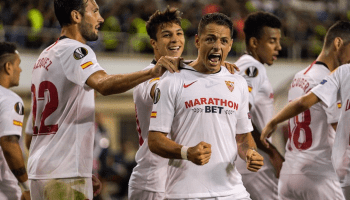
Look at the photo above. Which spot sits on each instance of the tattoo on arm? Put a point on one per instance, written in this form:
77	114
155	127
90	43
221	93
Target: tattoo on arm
19	172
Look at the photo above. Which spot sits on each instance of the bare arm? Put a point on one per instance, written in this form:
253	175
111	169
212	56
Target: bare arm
119	83
13	156
161	145
247	151
292	109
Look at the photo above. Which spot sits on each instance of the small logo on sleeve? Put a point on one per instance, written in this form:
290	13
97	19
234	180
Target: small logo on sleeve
86	65
17	123
80	53
154	114
252	71
323	81
230	85
156	96
19	108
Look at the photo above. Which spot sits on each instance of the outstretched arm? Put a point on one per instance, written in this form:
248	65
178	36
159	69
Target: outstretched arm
161	145
119	83
292	109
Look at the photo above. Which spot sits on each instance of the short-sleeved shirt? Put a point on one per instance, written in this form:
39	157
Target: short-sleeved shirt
151	169
11	122
261	99
194	107
327	91
311	136
63	109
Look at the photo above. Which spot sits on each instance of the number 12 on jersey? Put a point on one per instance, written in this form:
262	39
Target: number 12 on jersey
49	104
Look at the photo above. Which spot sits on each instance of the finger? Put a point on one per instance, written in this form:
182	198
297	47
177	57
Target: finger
171	63
206	145
256	163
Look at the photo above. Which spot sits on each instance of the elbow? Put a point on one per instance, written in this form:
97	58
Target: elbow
302	104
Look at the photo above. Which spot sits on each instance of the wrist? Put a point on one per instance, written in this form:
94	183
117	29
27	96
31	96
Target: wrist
184	151
24	185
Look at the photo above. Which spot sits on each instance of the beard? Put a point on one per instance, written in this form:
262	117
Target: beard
87	31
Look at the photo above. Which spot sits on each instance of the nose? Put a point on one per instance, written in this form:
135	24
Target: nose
217	45
279	47
101	20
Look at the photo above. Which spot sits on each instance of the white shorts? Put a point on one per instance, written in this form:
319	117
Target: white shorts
138	194
230	197
301	187
261	185
10	191
346	191
65	188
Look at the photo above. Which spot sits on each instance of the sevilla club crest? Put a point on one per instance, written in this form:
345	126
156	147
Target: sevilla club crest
230	85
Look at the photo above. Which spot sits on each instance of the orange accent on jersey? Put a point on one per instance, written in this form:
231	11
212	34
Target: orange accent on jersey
250	88
154	114
17	123
155	79
339	105
86	65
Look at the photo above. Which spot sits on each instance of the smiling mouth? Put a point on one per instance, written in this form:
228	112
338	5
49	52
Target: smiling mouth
214	59
174	48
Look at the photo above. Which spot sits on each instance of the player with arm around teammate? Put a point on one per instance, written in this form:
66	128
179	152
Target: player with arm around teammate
63	107
262	36
337	44
12	168
204	109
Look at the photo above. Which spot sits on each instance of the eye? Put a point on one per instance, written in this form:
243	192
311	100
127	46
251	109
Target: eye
166	35
224	41
180	33
209	39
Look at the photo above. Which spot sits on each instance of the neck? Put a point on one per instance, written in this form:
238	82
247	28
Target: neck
72	32
4	81
200	67
254	55
329	59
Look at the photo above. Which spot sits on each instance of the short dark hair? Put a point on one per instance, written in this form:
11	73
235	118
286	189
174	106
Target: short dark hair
216	18
63	9
339	29
158	19
7	50
255	22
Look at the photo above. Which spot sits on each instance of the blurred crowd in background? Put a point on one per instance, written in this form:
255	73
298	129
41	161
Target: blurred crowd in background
32	23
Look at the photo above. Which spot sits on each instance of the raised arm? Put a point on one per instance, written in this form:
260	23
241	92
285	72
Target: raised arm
247	151
161	145
119	83
292	109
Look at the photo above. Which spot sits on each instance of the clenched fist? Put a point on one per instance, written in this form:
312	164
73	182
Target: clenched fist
254	160
199	154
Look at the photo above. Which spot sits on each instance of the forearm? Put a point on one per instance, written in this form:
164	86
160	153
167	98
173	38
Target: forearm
256	135
161	145
14	158
245	142
119	83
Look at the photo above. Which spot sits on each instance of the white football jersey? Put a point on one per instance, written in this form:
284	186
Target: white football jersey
11	122
150	172
194	107
63	109
260	99
311	136
327	91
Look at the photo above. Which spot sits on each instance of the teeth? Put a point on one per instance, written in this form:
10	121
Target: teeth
174	48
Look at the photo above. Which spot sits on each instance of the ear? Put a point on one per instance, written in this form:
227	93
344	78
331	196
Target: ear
8	68
196	41
253	42
337	43
76	16
154	44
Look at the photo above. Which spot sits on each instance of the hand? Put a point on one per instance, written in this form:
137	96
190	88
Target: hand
266	133
199	154
97	185
254	160
231	67
25	195
276	160
166	63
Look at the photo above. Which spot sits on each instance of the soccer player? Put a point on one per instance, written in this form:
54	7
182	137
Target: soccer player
12	168
60	160
311	133
204	109
262	37
167	38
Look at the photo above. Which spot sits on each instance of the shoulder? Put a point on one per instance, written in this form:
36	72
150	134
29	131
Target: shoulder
74	49
9	99
250	67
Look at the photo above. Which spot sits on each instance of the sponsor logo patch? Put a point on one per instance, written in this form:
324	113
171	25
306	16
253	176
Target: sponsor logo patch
252	71
17	123
154	114
86	65
323	81
80	53
230	85
19	108
156	95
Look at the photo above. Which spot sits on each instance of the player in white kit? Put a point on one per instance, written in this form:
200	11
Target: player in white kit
12	168
262	36
309	174
60	160
204	109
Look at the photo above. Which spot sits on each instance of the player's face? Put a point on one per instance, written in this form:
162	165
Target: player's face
268	45
170	41
91	21
16	71
213	46
344	54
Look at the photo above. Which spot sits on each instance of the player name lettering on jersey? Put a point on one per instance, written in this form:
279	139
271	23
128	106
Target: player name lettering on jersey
212	101
302	83
43	63
347	105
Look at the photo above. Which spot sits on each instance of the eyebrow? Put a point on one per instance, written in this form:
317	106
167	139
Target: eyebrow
163	31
